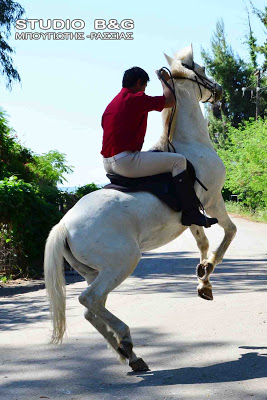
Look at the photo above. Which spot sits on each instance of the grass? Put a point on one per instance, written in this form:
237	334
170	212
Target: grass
5	278
246	212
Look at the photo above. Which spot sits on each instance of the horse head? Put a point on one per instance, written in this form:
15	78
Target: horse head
183	66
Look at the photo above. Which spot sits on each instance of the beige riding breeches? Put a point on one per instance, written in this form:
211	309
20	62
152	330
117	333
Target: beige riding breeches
144	163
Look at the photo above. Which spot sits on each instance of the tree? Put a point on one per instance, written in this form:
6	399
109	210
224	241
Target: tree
261	49
13	156
230	71
252	43
260	76
10	11
49	168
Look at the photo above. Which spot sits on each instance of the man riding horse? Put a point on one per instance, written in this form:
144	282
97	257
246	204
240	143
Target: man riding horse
105	234
124	124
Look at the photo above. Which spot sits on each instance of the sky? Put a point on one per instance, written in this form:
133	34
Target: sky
67	84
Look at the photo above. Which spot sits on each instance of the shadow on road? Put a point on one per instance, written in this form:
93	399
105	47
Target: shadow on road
17	312
15	315
83	367
156	272
248	366
175	272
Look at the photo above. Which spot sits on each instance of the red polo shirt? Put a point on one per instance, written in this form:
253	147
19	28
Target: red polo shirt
125	119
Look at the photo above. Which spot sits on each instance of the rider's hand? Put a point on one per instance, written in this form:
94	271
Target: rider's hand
164	74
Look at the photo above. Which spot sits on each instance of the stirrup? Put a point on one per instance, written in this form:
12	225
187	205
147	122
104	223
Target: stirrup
194	218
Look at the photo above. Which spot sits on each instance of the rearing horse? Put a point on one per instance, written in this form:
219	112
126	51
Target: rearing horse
103	235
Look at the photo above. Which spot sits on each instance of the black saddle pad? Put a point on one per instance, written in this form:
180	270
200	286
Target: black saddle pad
161	185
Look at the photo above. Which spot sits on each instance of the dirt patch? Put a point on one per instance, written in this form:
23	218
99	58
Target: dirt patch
19	286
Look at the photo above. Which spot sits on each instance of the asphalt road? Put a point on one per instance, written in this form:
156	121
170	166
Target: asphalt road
196	349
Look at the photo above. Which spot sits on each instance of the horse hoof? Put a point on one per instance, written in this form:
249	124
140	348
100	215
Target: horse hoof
139	365
205	293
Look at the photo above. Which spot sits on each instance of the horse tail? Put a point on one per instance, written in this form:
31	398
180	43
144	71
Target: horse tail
55	279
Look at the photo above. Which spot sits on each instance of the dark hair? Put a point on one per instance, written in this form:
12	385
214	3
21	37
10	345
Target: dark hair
132	75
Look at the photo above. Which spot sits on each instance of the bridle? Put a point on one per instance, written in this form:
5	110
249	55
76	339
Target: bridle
205	82
202	81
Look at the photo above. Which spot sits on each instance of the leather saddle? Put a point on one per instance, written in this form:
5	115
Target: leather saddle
161	185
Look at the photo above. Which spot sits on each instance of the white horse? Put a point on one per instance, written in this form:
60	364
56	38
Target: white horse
103	235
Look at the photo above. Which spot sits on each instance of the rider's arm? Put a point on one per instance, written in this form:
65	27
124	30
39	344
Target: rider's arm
169	97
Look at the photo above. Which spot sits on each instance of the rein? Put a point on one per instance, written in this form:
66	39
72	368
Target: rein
172	89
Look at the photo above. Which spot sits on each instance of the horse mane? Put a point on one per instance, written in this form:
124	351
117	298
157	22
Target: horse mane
178	70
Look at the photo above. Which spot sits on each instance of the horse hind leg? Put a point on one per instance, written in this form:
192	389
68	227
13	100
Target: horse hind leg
90	275
93	298
104	330
123	349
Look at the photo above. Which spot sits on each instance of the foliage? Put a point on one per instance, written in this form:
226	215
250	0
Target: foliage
48	169
10	11
245	158
232	73
261	49
10	253
29	216
237	78
252	43
259	215
13	156
83	190
29	200
255	51
218	127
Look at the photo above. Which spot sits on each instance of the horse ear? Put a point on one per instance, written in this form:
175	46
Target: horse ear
192	53
169	59
186	55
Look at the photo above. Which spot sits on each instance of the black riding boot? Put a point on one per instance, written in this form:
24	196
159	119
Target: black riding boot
188	200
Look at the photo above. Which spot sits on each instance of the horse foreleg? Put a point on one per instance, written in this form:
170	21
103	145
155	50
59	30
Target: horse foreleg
115	331
206	267
202	241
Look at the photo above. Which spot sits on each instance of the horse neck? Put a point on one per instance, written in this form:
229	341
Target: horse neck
190	125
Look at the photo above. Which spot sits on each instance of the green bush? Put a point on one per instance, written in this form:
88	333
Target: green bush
245	157
29	217
83	190
29	201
